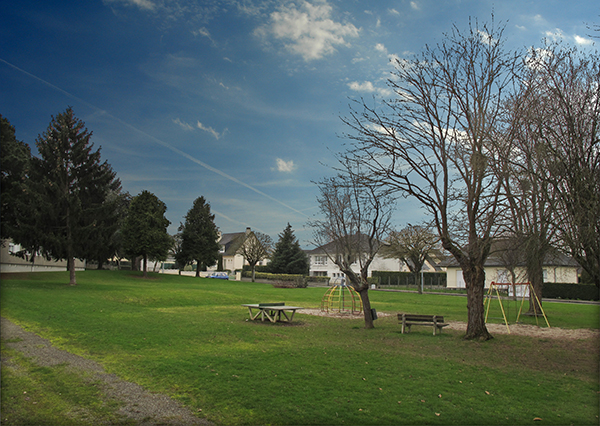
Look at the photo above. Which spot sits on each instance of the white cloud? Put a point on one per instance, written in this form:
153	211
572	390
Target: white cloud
393	12
367	86
556	35
380	48
583	41
486	38
202	31
142	4
212	131
183	125
415	5
308	29
285	166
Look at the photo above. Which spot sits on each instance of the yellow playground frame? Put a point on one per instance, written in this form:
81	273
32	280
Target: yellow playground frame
494	286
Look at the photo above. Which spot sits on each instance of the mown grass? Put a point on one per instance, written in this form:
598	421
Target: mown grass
190	338
34	395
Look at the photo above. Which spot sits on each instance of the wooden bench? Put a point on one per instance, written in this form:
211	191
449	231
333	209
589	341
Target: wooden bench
435	321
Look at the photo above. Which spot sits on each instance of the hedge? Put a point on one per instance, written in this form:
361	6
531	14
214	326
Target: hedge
282	277
570	291
407	278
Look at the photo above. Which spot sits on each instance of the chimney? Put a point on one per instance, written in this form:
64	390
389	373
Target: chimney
248	230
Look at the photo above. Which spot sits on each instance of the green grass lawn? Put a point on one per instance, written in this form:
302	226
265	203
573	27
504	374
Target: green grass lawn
190	338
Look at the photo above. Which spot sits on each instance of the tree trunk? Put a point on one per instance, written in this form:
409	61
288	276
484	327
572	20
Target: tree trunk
197	269
535	273
418	282
475	281
253	272
71	267
366	303
145	266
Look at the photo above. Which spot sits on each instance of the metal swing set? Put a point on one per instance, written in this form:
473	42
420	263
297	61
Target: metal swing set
526	290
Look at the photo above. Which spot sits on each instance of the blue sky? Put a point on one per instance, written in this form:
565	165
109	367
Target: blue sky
235	100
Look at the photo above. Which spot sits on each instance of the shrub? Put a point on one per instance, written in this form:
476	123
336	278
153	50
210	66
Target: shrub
570	291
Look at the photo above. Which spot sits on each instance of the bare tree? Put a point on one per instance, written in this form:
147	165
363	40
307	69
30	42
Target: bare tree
436	142
256	247
412	245
355	219
556	118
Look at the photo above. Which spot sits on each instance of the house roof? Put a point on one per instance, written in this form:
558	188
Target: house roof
331	246
500	250
232	242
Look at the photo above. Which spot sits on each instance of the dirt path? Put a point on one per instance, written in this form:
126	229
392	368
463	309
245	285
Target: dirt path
141	406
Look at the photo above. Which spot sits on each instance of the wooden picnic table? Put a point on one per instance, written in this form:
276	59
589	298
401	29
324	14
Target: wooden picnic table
273	311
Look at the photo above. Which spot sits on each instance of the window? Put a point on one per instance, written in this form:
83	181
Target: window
502	276
320	260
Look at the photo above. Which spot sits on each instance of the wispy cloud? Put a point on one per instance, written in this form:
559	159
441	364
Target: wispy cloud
142	4
414	5
183	125
308	30
285	166
212	131
148	137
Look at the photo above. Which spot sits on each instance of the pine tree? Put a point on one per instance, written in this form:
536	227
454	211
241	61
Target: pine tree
199	236
72	186
144	230
16	213
288	257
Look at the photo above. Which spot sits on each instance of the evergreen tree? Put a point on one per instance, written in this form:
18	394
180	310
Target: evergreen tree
144	231
16	211
288	257
199	236
72	187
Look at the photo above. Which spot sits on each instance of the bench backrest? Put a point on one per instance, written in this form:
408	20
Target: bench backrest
419	317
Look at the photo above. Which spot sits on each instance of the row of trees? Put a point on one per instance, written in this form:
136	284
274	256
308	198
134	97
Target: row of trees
67	204
491	143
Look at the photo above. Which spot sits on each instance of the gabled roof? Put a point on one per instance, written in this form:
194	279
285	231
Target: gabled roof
232	242
331	246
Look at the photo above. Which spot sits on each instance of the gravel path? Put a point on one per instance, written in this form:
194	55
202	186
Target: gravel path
143	407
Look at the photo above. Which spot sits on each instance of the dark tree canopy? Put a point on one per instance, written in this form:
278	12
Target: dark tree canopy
199	236
15	166
288	257
144	230
72	187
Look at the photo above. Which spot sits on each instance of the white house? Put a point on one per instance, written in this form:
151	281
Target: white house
322	265
557	268
230	244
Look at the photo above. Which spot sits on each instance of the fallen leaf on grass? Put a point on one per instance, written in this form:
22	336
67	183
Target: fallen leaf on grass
440	395
487	393
438	414
537	419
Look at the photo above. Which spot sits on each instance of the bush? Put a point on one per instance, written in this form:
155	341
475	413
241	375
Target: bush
570	291
407	278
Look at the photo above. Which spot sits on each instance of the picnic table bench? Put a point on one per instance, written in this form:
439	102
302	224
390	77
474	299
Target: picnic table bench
273	311
435	321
